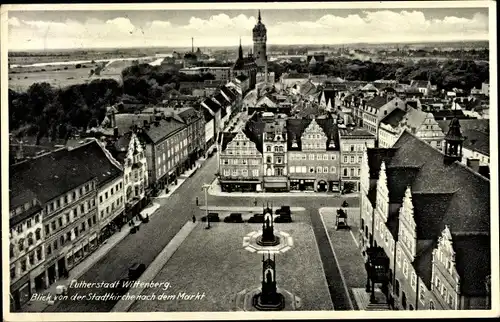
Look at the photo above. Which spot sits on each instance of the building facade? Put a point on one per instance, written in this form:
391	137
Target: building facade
195	133
412	207
313	155
353	143
275	157
240	163
220	73
376	109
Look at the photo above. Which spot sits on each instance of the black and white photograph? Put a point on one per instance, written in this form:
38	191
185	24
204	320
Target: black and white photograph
242	160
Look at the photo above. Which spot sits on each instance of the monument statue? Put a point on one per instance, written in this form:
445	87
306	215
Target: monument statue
268	238
269	299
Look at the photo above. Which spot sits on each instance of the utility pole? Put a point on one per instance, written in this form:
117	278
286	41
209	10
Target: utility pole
205	187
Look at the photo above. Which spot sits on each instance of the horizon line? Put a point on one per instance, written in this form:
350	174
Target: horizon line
269	44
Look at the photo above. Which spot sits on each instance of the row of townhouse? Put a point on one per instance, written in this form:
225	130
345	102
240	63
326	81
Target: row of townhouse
428	216
60	204
294	154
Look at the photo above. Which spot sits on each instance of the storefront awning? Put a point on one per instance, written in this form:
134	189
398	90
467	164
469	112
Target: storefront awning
275	185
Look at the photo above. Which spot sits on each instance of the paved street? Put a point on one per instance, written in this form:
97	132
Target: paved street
149	241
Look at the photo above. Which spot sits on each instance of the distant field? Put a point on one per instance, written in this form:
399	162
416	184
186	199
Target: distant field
21	81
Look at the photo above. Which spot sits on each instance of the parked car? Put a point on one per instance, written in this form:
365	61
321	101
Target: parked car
234	218
257	218
135	271
283	218
284	210
212	216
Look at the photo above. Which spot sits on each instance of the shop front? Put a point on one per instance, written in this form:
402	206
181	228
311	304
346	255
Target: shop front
334	186
273	185
302	184
20	293
239	185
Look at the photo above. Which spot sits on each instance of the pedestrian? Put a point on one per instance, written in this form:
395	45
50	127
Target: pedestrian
196	201
194	219
255	202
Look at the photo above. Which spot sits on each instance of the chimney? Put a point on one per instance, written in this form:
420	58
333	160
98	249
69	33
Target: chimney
473	164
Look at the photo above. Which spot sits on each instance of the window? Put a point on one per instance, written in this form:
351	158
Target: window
352	158
319	169
227	172
431	305
23	265
31	241
61	241
47	229
292	169
49	249
255	173
28	223
421	294
311	169
268	148
100	198
345	158
333	169
37	218
67	218
38	234
311	157
352	148
345	172
325	170
39	254
413	281
405	268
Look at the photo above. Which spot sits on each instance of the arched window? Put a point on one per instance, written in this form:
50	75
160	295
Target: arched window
268	148
38	234
431	305
345	172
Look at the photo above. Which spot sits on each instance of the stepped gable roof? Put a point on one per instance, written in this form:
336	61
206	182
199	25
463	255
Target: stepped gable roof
189	115
469	208
227	137
54	174
331	132
212	105
394	118
165	127
307	88
329	95
254	130
295	128
472	273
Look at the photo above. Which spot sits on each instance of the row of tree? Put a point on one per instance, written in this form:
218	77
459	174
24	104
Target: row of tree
463	74
46	111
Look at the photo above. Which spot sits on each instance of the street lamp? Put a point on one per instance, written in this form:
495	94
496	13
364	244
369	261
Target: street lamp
205	187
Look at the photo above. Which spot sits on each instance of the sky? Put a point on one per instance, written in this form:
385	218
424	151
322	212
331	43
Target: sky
39	30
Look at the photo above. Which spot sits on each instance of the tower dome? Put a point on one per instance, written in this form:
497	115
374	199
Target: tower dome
259	31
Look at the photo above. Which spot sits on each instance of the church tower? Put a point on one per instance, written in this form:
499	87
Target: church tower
259	44
453	142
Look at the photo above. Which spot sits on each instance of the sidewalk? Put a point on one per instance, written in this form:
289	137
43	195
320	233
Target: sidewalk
155	267
215	190
346	247
183	177
87	263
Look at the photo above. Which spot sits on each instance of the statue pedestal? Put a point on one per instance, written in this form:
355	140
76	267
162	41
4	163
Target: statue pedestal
268	241
274	302
250	300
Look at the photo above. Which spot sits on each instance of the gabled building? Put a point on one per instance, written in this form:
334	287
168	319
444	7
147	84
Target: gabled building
353	143
245	66
429	215
313	155
214	109
421	124
195	133
376	109
422	86
240	163
327	99
274	153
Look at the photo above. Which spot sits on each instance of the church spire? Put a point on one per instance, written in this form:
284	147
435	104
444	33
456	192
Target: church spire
240	51
259	16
